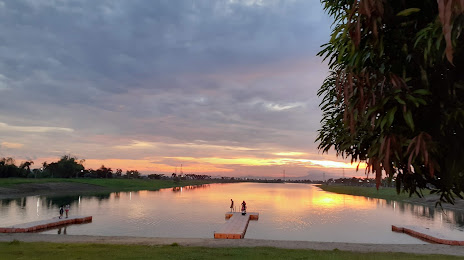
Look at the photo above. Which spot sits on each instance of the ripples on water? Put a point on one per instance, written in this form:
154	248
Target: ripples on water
287	212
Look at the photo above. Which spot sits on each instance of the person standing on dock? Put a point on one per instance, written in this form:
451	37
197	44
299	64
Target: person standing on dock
61	212
66	208
243	208
231	205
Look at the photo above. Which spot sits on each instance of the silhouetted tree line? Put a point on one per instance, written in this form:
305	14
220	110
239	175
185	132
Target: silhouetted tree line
369	182
177	177
67	167
8	168
156	176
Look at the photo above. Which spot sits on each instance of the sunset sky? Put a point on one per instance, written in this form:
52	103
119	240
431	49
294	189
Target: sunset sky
223	87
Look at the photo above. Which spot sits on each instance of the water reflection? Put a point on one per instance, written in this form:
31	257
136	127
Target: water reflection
455	218
191	187
57	201
62	228
287	212
21	202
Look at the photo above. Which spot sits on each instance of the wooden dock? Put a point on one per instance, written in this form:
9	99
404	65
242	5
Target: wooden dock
236	225
427	235
45	224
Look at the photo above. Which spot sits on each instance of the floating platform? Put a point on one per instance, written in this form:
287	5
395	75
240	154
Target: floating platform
427	235
236	226
45	224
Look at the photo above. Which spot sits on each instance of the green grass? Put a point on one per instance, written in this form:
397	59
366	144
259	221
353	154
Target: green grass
371	192
139	184
8	182
111	184
22	250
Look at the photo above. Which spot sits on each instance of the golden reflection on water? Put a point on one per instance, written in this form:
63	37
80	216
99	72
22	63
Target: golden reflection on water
332	200
298	198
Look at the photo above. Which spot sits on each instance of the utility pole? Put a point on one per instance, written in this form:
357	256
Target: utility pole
323	176
284	175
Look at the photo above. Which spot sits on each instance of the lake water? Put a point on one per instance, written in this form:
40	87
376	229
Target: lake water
287	212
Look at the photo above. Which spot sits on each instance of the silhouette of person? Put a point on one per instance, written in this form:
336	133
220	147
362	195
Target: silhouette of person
61	212
244	208
231	205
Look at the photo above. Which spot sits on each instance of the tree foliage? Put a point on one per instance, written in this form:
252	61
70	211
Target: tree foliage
104	172
394	97
132	174
9	169
67	167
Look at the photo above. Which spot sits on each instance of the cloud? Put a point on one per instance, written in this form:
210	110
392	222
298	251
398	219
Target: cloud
135	145
335	164
4	83
290	154
278	107
270	162
11	145
200	79
33	129
146	166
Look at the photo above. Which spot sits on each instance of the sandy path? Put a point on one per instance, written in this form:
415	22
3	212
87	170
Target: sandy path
427	249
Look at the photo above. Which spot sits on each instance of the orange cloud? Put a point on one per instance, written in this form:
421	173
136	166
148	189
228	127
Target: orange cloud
224	166
290	154
271	162
145	165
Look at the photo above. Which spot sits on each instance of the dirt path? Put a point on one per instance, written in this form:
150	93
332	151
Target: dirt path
428	249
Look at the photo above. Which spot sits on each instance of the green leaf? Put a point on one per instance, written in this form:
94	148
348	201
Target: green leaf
383	122
391	116
421	101
422	92
424	77
408	118
407	12
400	100
412	99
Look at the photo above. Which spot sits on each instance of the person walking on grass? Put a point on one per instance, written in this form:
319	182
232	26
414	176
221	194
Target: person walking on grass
67	210
231	205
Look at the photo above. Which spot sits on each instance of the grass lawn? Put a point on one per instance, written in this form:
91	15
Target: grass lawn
111	184
372	192
139	184
22	250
